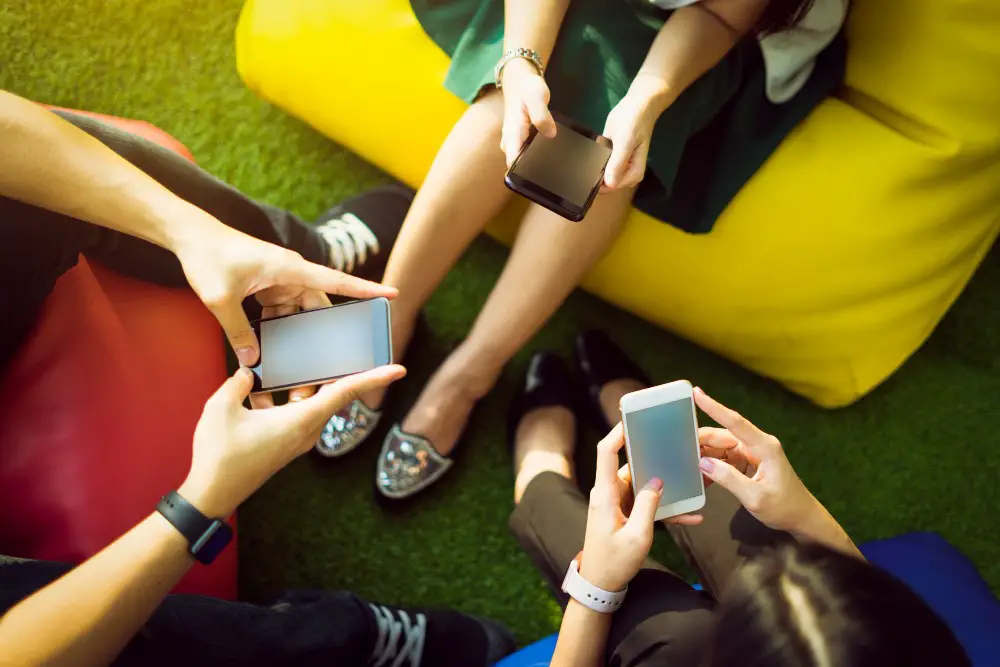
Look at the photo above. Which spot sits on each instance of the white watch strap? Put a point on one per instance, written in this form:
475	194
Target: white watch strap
589	595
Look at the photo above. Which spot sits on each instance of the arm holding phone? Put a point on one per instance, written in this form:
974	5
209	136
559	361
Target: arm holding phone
739	457
48	162
752	465
89	615
528	24
692	41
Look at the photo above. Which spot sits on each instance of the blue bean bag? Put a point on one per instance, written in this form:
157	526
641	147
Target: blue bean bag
937	571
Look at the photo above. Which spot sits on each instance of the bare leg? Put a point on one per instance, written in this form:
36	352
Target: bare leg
548	260
463	191
544	442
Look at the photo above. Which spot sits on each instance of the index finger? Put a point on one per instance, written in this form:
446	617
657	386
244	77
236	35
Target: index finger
737	424
314	276
607	457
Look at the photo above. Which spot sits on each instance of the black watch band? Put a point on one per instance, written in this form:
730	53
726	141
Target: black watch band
206	537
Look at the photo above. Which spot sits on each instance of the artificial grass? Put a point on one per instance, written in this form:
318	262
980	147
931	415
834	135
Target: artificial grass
919	453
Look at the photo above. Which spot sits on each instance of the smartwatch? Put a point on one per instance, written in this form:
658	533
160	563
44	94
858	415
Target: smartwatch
589	595
206	537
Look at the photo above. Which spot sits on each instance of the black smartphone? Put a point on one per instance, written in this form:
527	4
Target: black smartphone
316	346
562	174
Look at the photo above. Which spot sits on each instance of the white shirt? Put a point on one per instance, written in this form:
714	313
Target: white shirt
790	55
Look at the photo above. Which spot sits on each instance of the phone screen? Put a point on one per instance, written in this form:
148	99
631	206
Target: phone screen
663	443
322	344
568	165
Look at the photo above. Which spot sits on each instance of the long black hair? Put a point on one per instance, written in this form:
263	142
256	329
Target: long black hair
810	606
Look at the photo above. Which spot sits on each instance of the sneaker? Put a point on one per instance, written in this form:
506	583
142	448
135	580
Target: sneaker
408	638
361	231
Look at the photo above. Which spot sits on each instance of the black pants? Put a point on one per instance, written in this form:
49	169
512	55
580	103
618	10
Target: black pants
303	628
664	621
37	246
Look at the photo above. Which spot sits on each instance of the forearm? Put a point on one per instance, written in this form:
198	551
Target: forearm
47	162
819	526
89	615
533	24
692	41
583	636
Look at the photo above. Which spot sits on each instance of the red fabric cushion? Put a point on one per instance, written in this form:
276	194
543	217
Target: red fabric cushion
97	411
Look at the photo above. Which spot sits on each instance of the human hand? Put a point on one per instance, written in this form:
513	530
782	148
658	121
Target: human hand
753	467
236	450
224	266
619	529
630	128
526	103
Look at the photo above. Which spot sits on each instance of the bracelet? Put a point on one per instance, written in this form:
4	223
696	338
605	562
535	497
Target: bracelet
528	54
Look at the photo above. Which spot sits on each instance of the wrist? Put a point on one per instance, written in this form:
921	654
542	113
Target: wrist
207	497
808	520
185	225
596	573
517	68
652	92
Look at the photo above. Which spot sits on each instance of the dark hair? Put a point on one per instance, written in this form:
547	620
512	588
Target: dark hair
807	606
781	15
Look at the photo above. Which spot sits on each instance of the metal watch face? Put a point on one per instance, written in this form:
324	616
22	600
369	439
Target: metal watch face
212	542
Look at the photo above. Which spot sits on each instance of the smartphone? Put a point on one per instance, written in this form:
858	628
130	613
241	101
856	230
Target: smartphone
316	346
661	440
564	173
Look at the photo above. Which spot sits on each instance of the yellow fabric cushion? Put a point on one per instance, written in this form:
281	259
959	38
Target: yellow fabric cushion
831	267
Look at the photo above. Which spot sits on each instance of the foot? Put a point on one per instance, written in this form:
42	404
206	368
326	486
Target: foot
416	453
360	232
415	638
442	410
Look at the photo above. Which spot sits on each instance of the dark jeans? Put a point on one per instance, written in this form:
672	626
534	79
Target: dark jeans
664	621
37	246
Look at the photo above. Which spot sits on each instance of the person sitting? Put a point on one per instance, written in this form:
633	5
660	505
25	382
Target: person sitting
784	585
694	96
80	186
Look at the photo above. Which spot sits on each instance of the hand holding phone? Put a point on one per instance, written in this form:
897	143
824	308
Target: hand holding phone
317	346
661	441
564	172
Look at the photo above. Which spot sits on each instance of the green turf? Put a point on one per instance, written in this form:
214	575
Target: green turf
918	454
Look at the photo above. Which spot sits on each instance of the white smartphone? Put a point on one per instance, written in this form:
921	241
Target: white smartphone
316	346
661	440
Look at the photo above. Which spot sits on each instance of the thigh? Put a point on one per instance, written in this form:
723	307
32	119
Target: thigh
727	537
664	622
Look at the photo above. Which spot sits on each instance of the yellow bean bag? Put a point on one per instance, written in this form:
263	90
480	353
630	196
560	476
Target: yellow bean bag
831	267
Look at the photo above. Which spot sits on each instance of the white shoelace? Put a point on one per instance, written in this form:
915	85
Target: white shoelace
350	241
390	631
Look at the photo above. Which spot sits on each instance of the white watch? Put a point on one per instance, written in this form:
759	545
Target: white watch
589	595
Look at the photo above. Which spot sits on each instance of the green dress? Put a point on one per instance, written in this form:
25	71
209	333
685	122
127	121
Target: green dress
705	146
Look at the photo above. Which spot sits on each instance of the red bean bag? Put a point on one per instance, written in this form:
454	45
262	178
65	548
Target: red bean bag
97	411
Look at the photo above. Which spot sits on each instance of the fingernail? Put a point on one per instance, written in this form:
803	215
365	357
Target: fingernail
655	485
706	464
246	372
295	399
246	355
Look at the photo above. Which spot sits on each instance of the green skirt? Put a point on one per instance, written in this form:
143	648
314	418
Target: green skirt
705	146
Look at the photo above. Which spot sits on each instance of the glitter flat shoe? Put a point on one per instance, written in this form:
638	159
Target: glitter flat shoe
347	429
408	464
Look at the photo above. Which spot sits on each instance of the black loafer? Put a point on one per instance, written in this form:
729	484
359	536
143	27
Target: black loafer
547	384
599	360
